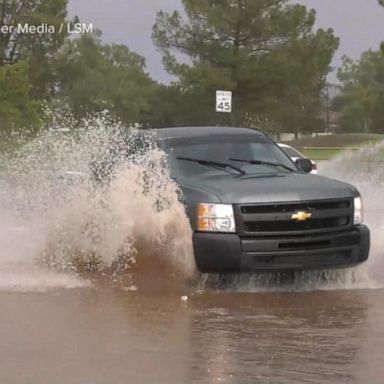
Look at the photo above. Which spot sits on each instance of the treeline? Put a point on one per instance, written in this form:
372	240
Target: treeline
361	101
266	51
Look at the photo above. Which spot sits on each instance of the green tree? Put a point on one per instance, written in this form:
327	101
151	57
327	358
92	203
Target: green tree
265	51
93	76
362	93
18	108
38	48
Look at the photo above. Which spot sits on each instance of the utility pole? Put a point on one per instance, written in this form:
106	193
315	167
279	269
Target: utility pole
328	106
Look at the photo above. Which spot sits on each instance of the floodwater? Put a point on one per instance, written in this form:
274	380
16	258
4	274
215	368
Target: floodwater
102	335
97	286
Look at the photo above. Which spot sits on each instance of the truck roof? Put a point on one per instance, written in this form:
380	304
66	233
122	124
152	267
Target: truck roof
175	132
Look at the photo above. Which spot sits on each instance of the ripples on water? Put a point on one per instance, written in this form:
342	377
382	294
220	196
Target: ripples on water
59	230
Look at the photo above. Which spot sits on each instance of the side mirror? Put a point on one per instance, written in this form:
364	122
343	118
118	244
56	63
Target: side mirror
304	165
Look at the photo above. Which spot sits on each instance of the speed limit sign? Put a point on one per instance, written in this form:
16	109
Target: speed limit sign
224	101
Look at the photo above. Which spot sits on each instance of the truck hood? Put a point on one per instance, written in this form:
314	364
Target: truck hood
265	189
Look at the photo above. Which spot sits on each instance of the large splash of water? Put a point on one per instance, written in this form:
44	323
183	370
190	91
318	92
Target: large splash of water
365	170
59	221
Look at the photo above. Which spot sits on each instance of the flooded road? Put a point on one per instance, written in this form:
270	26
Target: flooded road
56	327
101	335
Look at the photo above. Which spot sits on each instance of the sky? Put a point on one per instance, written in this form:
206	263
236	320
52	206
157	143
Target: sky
358	23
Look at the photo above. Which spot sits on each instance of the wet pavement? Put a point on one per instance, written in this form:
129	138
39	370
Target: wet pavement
108	336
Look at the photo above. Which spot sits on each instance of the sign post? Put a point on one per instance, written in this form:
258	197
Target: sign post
224	101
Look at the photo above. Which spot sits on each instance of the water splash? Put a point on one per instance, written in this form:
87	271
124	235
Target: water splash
365	170
57	215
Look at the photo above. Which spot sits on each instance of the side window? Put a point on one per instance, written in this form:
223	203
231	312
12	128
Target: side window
291	152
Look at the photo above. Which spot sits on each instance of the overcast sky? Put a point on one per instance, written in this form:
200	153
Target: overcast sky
359	24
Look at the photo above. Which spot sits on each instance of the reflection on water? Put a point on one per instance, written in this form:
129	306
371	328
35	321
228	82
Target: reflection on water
106	336
284	338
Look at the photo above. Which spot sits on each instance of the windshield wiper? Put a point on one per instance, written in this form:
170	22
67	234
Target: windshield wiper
215	164
261	162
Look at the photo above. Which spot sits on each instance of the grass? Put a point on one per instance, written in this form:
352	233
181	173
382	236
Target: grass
338	140
321	154
327	147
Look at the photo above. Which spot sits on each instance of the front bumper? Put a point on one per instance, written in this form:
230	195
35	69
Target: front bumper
230	253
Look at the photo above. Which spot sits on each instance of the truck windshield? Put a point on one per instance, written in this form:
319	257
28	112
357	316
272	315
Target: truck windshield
257	151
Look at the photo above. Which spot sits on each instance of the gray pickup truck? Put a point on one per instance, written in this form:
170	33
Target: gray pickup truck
252	208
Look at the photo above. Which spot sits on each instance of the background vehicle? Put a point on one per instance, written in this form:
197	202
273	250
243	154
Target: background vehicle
294	154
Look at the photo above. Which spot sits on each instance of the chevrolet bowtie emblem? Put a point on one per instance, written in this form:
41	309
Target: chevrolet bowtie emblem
301	216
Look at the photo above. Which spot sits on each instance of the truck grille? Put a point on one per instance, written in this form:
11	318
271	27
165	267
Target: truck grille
276	219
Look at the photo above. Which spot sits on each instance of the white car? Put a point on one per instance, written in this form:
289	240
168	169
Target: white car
294	154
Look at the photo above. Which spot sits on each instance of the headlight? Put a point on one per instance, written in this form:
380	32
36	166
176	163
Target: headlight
358	207
215	218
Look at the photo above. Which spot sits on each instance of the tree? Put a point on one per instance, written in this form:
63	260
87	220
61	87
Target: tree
93	76
17	106
362	93
265	51
38	48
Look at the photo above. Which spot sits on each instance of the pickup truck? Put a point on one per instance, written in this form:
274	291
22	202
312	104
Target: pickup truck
252	208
